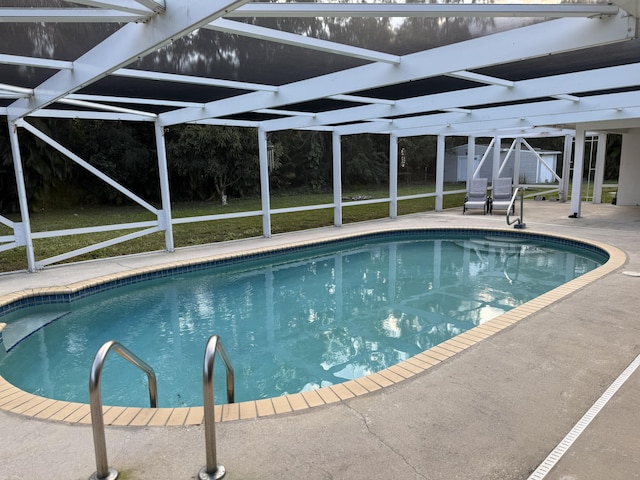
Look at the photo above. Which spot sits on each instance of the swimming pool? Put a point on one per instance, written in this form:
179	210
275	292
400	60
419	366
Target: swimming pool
401	286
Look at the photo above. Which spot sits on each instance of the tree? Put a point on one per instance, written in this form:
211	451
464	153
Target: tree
44	169
209	161
304	160
365	160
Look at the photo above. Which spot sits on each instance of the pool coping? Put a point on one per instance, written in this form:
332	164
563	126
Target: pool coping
15	400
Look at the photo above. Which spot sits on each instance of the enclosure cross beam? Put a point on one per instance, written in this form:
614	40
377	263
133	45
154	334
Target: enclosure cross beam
131	42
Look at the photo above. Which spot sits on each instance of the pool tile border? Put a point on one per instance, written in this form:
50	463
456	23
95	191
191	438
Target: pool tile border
14	400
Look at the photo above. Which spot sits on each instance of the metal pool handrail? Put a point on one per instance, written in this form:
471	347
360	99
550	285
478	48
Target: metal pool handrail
103	471
519	223
213	471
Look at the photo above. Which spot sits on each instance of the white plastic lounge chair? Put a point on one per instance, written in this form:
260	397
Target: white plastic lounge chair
477	195
501	194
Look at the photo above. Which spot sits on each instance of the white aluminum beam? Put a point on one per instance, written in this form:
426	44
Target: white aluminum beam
157	6
598	177
594	80
7	246
476	77
227	122
586	81
35	62
419	10
360	99
290	113
264	183
22	230
457	110
598	108
66	15
211	82
16	90
91	248
269	34
570	98
440	142
576	177
7	222
164	215
393	176
135	100
554	37
114	227
88	115
131	6
106	108
128	44
471	155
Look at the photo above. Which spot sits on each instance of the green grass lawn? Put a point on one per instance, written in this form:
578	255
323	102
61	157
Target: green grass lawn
212	231
202	232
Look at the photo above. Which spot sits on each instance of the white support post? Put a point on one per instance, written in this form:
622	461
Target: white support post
264	183
566	168
440	172
337	178
393	176
25	226
497	146
598	179
578	162
164	215
516	161
471	155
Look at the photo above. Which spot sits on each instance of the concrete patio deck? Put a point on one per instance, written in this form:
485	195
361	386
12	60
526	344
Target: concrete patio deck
493	411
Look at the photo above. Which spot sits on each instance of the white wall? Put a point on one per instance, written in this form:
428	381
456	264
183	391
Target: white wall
629	181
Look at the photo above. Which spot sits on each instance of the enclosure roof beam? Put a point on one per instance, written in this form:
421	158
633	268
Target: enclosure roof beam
361	99
553	36
14	89
157	6
107	108
66	15
35	62
88	115
128	44
476	77
420	10
173	77
557	85
570	98
553	112
131	6
291	113
134	100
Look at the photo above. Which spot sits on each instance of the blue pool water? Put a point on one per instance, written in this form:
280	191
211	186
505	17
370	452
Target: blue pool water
290	321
